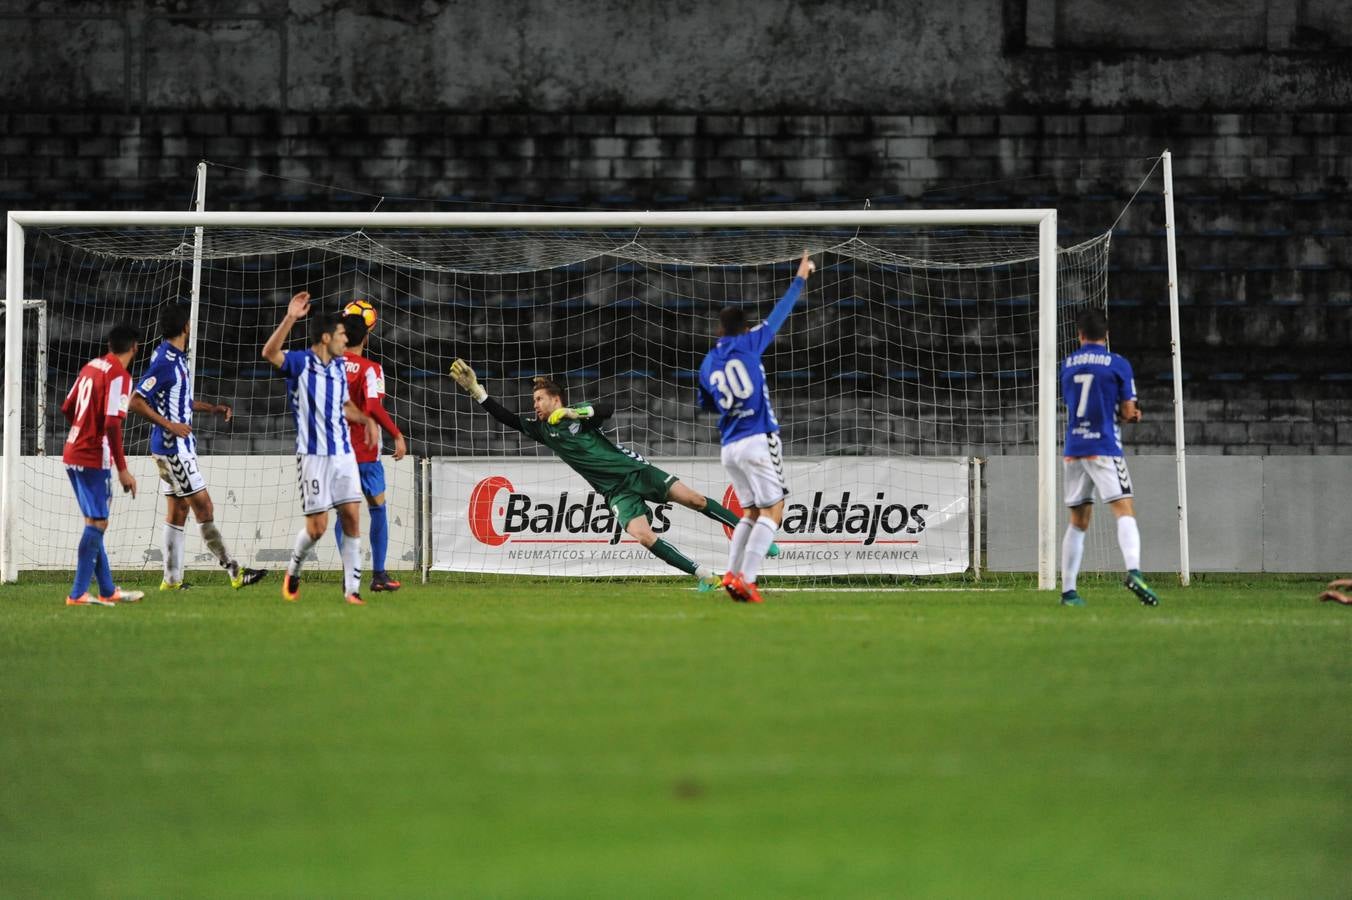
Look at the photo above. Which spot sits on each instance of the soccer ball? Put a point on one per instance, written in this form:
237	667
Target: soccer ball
364	308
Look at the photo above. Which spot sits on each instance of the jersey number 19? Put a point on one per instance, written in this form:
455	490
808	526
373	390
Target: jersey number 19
84	390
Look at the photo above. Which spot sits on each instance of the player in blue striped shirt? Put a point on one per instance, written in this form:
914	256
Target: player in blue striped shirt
1098	388
732	383
164	396
316	382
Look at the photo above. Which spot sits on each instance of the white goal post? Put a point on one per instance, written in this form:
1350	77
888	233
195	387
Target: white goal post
1045	303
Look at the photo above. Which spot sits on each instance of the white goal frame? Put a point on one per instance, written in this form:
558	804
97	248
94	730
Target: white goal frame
1043	219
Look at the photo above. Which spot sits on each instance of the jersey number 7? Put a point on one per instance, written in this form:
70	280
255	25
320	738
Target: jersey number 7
1087	380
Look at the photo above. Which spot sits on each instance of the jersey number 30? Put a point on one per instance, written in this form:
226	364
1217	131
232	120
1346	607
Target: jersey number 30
732	383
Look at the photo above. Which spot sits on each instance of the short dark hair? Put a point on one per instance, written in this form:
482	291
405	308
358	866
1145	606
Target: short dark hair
173	319
121	338
322	323
356	329
548	385
732	319
1093	324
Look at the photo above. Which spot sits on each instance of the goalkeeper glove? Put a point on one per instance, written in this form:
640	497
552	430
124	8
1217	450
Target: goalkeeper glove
465	377
569	412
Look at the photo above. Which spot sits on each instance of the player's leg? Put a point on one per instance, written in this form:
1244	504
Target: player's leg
345	489
1114	484
373	488
175	518
312	473
93	491
763	530
380	544
204	511
732	582
91	538
705	506
762	471
636	519
709	507
1079	497
349	515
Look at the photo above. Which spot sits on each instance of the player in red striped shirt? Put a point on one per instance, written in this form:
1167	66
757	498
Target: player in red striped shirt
95	408
366	387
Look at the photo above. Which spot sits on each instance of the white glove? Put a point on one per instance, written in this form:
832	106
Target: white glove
465	377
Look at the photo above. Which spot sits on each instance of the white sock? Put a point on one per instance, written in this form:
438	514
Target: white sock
1072	551
303	544
351	564
740	534
211	536
173	553
762	536
1129	539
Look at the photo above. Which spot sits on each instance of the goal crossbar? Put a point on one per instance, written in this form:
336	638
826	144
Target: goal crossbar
1043	219
919	218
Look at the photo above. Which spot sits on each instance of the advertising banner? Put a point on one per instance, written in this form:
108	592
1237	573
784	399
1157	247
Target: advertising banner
844	516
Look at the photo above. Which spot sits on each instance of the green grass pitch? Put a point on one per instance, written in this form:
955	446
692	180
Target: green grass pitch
513	739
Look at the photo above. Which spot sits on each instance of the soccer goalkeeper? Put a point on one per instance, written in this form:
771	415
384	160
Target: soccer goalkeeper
626	480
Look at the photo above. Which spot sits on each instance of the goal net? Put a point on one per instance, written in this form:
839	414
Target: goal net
910	382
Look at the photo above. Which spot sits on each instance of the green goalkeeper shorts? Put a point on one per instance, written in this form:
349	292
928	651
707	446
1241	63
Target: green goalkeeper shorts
639	488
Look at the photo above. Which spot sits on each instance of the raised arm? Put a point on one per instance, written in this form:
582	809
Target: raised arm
273	350
780	314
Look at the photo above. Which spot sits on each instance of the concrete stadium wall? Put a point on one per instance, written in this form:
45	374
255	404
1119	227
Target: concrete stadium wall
693	55
1246	514
660	105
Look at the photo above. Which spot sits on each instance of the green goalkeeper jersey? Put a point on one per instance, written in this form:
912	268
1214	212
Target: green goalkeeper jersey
579	442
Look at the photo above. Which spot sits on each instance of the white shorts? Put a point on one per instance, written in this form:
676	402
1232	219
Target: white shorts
756	466
180	476
327	481
1107	475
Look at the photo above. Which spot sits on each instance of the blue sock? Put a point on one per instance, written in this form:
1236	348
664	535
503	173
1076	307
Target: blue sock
380	537
85	559
104	571
338	533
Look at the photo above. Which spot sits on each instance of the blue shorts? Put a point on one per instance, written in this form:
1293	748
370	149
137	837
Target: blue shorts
93	488
372	478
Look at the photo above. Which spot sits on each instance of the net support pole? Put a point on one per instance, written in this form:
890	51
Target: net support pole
9	468
977	512
1046	404
1176	352
200	205
41	363
425	517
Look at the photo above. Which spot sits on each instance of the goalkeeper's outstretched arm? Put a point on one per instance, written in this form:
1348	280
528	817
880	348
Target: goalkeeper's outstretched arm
595	413
469	382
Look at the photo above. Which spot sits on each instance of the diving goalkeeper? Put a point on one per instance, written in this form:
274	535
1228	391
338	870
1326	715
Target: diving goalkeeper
626	480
